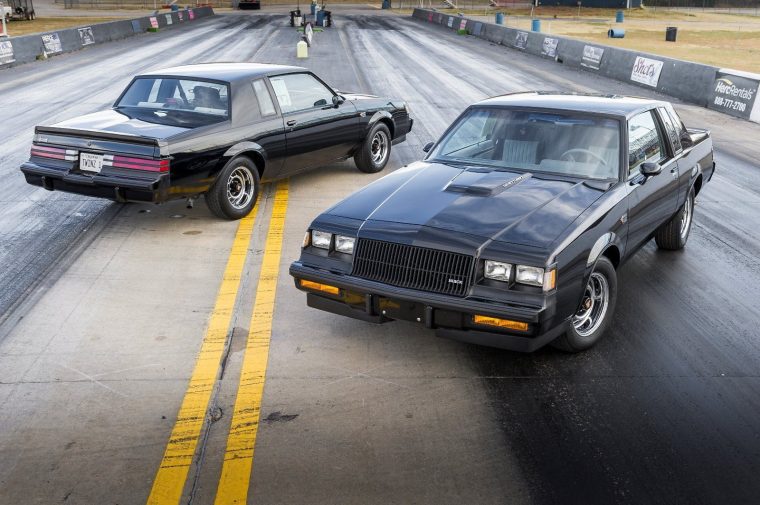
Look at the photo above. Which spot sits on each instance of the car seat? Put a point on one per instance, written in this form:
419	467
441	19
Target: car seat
208	97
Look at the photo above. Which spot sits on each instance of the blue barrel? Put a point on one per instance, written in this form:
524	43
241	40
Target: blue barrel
320	17
175	7
615	33
535	25
386	4
313	8
619	17
499	18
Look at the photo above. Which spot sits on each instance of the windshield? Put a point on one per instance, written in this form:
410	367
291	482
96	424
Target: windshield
176	101
564	143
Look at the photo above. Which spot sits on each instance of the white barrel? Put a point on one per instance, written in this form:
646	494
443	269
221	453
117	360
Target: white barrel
302	50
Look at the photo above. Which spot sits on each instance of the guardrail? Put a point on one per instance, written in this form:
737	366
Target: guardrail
730	91
26	48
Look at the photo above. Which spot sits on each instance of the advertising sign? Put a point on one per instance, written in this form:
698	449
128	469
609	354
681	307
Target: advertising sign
6	52
168	19
734	94
430	17
478	29
549	47
521	40
308	33
592	57
180	16
462	24
153	23
451	22
646	71
85	36
190	14
52	43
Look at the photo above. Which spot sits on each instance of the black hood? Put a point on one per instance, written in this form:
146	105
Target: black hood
515	207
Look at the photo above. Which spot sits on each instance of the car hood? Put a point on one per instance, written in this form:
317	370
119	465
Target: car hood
509	206
357	96
113	121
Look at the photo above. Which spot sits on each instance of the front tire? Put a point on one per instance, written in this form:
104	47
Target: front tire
235	190
673	235
375	151
594	313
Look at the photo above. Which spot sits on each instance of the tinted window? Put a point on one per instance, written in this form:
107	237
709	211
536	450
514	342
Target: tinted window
644	141
670	129
176	101
567	143
264	98
299	92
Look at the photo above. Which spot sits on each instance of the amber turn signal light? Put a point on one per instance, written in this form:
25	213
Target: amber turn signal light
316	286
500	323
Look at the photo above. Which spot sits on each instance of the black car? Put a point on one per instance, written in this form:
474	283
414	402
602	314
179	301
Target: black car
215	129
510	233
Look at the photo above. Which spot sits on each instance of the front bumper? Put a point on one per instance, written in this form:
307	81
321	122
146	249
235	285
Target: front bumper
120	189
450	317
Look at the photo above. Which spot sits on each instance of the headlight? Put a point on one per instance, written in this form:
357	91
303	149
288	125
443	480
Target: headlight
321	239
533	276
497	270
344	244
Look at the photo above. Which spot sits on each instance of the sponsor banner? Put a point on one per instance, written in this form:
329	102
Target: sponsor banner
592	57
308	33
180	16
168	19
646	71
521	40
85	36
190	14
735	94
478	29
6	52
52	43
463	24
430	17
451	22
153	23
549	47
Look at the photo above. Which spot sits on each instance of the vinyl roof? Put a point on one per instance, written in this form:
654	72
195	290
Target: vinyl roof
601	104
226	71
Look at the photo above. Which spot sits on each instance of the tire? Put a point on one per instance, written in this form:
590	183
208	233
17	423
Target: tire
375	151
673	235
593	316
236	189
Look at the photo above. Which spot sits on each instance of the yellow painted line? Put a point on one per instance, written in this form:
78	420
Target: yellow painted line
238	458
180	450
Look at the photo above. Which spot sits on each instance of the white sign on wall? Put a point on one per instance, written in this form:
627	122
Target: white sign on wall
52	43
646	71
6	52
168	19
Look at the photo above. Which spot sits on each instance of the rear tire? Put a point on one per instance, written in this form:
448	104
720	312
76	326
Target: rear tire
375	151
595	310
673	235
236	189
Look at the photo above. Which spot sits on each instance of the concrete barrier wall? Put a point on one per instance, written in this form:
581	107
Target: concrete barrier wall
729	91
18	50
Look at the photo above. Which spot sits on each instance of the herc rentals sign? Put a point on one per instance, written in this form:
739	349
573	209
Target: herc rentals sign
646	71
735	93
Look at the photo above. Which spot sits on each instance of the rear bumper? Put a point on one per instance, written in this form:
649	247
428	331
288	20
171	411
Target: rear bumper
450	317
120	189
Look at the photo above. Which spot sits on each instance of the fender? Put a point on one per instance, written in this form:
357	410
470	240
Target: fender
377	116
601	245
245	146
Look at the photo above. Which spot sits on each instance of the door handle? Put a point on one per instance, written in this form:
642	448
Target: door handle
292	122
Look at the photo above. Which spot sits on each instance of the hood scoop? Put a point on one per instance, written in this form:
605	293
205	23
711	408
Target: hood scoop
477	182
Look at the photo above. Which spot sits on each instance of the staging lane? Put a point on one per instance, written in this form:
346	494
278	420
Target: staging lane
389	413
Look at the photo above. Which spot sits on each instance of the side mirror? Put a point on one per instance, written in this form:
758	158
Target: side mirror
650	169
428	147
337	100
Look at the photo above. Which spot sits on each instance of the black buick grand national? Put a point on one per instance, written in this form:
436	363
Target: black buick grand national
510	232
215	129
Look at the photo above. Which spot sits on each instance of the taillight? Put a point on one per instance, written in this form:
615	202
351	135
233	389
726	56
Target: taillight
55	153
129	162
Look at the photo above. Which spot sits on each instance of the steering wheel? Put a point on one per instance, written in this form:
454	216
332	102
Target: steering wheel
569	155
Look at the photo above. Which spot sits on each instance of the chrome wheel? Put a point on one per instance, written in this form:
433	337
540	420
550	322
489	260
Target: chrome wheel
593	309
240	187
686	217
379	147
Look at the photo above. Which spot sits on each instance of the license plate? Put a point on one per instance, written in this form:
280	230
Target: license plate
91	162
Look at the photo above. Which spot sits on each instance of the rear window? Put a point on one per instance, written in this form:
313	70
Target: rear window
176	101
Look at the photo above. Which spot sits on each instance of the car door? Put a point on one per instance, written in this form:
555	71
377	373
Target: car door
269	130
688	160
653	199
317	130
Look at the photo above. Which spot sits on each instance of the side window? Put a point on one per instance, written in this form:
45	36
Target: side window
266	106
683	135
300	92
670	129
644	141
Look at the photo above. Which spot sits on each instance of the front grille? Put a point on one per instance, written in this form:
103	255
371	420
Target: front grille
413	267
